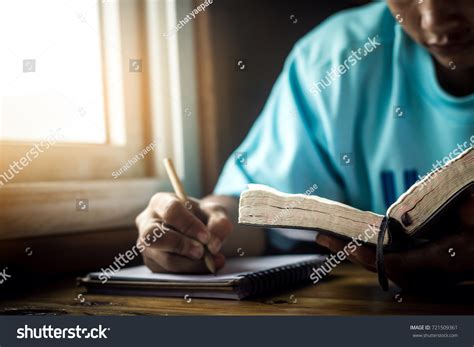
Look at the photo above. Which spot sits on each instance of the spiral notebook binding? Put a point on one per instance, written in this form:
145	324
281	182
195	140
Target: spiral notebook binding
266	281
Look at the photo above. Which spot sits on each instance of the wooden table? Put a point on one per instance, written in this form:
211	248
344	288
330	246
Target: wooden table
348	290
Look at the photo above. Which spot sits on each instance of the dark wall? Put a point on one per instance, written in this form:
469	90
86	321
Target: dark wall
260	33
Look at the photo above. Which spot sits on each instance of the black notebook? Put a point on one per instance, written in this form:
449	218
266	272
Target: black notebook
241	277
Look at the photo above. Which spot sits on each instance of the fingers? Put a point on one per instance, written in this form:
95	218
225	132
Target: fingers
174	242
166	250
169	262
220	227
179	217
176	234
160	238
362	255
330	242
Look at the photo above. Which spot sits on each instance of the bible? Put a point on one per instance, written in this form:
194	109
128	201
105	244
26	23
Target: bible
408	221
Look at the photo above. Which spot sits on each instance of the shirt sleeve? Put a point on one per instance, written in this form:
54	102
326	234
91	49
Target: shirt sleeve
286	147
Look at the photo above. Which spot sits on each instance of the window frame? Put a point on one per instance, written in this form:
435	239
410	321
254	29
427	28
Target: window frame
31	209
97	161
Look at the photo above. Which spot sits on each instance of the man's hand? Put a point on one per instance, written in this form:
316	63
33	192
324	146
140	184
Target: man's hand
173	234
441	262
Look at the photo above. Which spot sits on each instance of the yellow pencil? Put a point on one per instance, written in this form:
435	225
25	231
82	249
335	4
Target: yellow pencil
182	196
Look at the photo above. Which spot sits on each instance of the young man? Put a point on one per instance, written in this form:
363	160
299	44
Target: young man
367	103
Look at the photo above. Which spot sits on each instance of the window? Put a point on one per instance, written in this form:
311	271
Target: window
63	77
39	64
92	84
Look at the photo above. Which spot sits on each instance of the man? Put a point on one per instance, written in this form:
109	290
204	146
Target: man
367	102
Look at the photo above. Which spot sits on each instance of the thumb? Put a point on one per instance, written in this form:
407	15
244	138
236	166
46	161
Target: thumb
219	224
194	206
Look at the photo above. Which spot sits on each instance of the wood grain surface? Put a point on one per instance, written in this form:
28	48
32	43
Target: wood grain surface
348	290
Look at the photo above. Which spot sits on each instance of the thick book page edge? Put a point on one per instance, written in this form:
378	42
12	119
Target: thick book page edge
259	187
400	206
263	187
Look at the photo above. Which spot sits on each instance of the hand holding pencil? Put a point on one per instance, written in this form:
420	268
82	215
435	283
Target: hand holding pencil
194	231
183	197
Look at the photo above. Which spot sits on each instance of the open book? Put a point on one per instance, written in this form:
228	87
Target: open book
405	220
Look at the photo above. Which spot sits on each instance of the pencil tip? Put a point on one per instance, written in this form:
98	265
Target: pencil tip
211	266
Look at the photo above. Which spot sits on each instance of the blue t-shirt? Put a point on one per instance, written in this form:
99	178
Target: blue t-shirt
358	111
